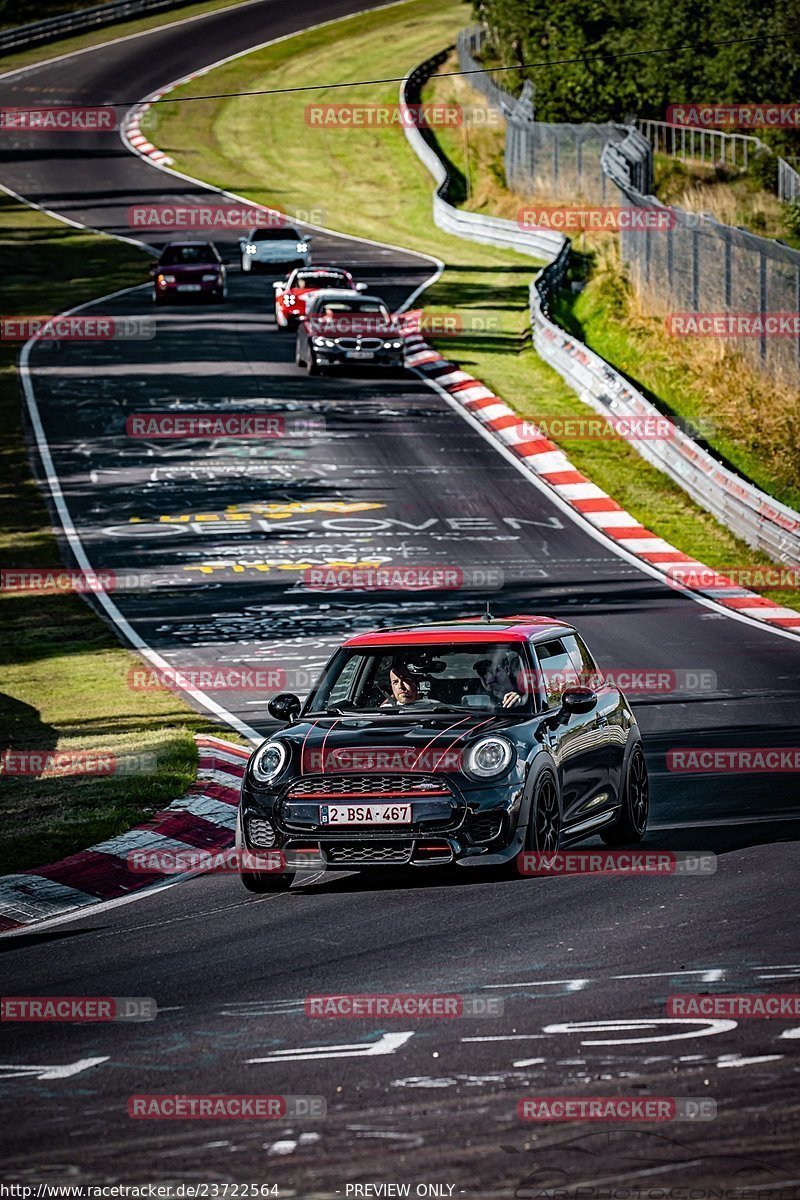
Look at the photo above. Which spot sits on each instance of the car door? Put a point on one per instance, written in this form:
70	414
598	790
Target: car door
577	740
610	710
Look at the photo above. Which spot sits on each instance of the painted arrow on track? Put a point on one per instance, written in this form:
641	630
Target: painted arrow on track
19	1071
387	1043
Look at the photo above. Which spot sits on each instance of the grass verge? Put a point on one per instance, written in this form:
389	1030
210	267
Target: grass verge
371	184
64	672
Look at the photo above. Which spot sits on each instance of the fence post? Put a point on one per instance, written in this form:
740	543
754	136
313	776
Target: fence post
728	275
762	301
695	270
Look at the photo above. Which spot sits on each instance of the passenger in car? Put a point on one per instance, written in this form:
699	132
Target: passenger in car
498	677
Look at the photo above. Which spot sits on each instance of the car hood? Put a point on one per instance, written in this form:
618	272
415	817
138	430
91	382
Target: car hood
346	743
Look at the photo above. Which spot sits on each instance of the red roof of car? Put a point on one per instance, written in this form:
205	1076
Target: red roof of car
471	629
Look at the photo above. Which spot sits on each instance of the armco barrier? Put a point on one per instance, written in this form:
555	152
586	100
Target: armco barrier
49	30
492	231
751	514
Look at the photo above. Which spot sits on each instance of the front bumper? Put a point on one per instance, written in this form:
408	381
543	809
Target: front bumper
327	357
462	828
191	289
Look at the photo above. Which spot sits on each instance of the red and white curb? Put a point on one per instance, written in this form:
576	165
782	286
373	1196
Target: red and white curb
137	140
203	819
550	465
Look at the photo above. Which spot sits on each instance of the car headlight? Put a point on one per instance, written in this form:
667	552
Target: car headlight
268	762
164	279
323	341
210	278
489	757
393	345
251	248
289	300
302	247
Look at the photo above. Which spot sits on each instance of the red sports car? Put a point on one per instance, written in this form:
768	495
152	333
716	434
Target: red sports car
291	292
189	270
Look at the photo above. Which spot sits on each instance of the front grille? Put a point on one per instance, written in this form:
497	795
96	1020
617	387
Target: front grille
369	852
367	343
314	787
485	826
260	833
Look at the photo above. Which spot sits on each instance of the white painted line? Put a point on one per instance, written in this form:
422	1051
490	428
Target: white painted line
736	1060
387	1043
11	1071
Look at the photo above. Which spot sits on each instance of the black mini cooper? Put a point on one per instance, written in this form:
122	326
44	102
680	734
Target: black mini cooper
466	742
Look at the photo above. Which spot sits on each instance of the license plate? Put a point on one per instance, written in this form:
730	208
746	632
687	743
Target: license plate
188	287
360	353
365	814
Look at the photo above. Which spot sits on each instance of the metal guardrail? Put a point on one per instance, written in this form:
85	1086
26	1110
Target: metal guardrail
713	147
491	231
53	28
709	146
751	514
788	181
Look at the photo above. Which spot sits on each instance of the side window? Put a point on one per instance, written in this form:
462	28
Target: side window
557	668
590	673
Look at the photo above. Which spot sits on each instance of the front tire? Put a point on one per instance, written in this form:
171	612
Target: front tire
262	882
631	823
544	825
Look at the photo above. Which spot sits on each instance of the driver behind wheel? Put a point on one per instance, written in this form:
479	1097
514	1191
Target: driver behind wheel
405	689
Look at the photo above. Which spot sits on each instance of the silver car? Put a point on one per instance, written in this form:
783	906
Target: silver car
275	247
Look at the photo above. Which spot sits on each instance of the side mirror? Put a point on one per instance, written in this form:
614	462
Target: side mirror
277	285
151	271
361	287
578	700
284	707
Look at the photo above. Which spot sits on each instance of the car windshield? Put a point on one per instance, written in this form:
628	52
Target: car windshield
335	308
271	235
418	679
173	255
319	279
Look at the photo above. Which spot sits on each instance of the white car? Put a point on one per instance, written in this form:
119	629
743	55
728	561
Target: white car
275	247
